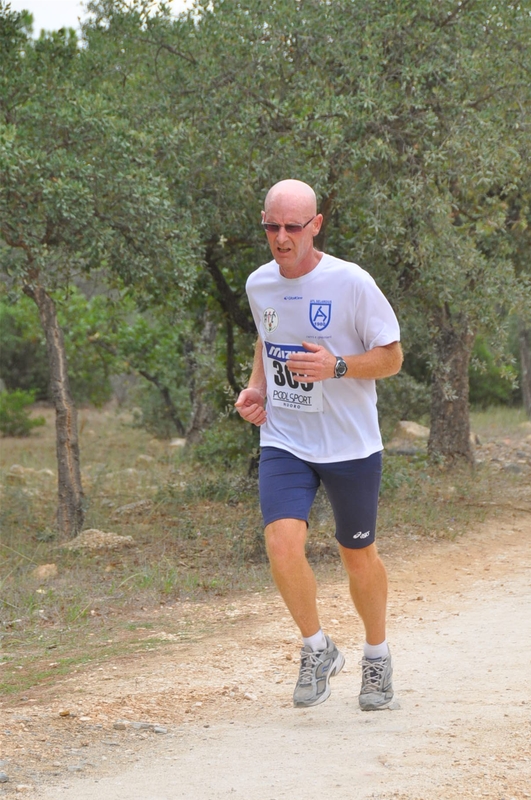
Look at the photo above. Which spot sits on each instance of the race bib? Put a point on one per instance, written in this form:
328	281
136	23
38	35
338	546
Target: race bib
283	390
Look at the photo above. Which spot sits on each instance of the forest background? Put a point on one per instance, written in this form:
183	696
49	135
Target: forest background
133	166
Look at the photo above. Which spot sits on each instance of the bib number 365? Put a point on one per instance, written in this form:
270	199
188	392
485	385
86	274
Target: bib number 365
283	377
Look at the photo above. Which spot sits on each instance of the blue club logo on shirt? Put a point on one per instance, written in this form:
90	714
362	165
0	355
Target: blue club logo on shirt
320	313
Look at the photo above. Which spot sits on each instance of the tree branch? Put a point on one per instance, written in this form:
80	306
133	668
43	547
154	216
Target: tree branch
453	14
228	299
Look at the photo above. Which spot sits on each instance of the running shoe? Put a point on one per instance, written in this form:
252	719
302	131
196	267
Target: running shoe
376	683
317	667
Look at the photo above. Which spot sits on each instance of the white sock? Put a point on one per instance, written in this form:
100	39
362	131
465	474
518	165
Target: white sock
376	650
316	642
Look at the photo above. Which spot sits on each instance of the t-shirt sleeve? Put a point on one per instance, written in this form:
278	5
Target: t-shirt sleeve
375	320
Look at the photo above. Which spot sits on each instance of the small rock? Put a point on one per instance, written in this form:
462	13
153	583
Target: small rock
15	478
178	443
144	459
515	468
64	712
133	508
249	696
401	449
3	777
142	726
129	472
45	571
93	539
410	431
120	726
159	729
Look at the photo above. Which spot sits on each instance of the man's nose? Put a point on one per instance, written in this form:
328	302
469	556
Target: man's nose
282	236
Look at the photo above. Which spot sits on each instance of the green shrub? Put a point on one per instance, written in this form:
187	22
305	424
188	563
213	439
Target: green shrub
230	443
401	397
490	383
14	413
24	363
152	414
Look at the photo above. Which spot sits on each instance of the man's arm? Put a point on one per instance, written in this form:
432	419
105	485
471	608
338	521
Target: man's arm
318	364
251	401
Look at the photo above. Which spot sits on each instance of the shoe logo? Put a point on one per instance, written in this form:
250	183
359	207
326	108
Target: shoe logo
360	535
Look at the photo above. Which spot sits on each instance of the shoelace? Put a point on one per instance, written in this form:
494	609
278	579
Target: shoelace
309	662
372	674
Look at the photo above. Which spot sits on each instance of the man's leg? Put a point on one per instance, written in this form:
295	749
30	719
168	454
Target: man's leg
293	576
368	589
285	541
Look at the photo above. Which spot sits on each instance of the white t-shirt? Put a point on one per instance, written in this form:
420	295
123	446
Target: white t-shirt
339	306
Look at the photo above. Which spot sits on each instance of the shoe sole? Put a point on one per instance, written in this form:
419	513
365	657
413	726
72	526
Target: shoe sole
334	670
373	706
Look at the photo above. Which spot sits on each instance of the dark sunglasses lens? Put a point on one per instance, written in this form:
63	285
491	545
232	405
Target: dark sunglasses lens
273	227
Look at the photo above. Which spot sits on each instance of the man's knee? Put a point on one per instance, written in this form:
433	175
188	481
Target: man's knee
285	539
359	561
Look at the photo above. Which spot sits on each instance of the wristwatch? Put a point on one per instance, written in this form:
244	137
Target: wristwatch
340	368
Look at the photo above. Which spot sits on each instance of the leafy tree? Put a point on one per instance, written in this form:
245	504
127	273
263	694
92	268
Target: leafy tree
23	346
23	364
80	190
169	354
409	117
14	413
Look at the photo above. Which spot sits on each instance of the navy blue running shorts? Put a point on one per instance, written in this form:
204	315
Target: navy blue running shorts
288	486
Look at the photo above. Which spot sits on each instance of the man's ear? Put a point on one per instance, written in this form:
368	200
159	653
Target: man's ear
317	223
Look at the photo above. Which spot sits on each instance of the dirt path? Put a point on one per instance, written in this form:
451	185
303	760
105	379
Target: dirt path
460	625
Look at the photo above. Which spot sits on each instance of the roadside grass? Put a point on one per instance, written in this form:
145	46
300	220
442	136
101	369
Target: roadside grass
499	421
197	540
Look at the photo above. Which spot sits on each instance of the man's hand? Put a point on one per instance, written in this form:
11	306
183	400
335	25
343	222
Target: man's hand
250	406
316	365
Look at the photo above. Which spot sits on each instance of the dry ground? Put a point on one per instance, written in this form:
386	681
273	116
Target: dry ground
217	675
459	628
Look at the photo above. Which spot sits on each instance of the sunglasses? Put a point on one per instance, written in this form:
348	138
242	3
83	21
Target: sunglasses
274	227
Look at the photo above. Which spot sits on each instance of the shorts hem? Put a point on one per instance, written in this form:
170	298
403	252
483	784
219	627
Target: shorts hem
286	516
356	545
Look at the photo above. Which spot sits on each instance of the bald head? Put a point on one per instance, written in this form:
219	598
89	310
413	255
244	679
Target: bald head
291	193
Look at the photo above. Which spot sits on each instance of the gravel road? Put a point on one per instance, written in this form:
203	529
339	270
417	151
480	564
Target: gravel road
460	632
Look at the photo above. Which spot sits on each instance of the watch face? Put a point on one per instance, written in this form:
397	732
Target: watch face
341	368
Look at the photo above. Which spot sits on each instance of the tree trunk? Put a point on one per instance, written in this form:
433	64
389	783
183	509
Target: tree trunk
202	412
70	492
169	406
525	359
449	438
